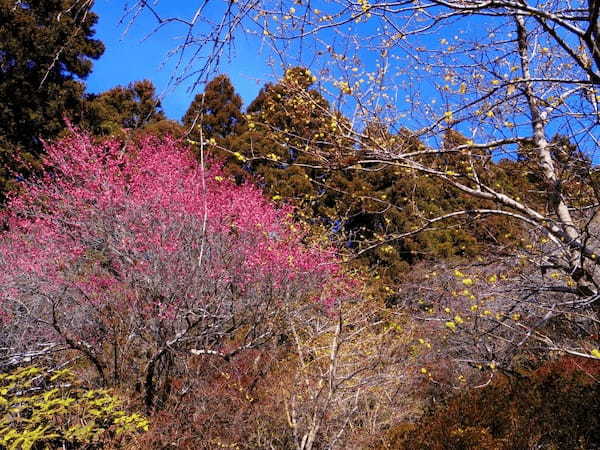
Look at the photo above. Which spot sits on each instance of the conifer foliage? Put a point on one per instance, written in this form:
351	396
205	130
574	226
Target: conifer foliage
131	107
217	111
46	48
293	144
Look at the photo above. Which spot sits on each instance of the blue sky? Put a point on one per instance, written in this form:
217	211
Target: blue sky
137	55
134	56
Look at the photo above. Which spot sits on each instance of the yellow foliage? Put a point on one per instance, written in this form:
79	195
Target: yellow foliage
451	324
35	414
239	156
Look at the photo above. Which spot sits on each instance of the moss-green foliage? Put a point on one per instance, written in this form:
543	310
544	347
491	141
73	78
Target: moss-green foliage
216	116
216	112
44	409
133	107
288	130
294	145
164	127
46	47
555	407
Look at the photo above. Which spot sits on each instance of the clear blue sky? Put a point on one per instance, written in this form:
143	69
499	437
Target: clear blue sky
136	56
131	57
135	53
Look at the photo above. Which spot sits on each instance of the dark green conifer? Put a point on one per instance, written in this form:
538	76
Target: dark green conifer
46	48
130	107
217	111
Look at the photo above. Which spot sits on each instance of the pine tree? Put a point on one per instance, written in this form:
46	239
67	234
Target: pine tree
46	47
287	131
217	111
123	107
293	145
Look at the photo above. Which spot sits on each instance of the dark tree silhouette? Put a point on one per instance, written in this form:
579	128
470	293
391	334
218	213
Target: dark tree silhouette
132	107
46	48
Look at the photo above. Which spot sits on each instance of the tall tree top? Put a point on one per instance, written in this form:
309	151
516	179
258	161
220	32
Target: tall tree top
218	109
134	106
47	40
46	48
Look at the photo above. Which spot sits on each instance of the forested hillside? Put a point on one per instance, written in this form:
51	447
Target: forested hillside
338	264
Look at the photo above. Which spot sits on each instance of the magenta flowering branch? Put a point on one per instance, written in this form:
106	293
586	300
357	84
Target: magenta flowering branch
102	254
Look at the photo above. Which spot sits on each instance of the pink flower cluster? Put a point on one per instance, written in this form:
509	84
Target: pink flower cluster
144	227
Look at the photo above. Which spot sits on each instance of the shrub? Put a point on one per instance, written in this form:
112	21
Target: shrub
553	407
141	259
50	409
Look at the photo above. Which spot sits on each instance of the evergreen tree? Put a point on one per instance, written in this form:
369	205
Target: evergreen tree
288	130
217	111
46	47
293	145
132	107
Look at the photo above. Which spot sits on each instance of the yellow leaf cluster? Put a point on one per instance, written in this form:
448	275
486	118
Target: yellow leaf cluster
58	411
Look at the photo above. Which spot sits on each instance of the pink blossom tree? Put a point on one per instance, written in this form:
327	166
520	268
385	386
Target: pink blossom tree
137	258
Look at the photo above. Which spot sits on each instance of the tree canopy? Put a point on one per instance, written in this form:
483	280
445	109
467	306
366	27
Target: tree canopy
294	145
123	107
395	245
217	111
46	50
